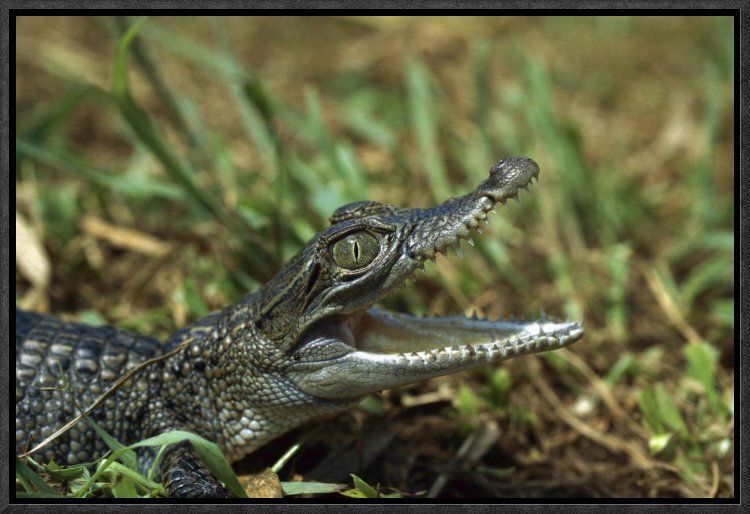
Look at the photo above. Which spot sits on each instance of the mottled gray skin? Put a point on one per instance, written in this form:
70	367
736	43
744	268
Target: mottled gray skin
307	344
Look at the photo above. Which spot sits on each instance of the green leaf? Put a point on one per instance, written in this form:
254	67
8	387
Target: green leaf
53	115
351	172
669	411
497	473
702	359
370	127
619	263
649	407
467	402
120	473
372	404
307	436
187	294
155	464
137	187
723	312
713	274
124	488
500	384
66	473
206	450
423	111
148	134
623	364
292	488
659	410
254	106
127	456
556	362
32	482
209	453
79	483
361	489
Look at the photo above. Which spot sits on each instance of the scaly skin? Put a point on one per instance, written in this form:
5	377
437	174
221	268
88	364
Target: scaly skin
307	344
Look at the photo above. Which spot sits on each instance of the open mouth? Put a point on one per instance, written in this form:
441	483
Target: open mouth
367	349
357	354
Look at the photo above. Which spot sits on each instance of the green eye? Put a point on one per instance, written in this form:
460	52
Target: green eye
355	251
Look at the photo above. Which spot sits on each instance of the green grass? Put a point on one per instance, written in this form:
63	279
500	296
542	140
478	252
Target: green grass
236	165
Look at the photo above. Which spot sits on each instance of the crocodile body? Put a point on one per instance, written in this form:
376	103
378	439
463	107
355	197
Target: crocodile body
307	344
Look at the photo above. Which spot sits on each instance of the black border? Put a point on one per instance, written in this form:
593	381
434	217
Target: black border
737	8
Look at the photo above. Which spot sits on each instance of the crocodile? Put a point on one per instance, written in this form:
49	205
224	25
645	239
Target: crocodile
309	343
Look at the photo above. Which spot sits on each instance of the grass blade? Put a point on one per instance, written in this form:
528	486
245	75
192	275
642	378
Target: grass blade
148	134
32	482
206	450
423	111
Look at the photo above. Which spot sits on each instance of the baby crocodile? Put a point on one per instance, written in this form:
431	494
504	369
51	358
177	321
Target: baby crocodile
307	344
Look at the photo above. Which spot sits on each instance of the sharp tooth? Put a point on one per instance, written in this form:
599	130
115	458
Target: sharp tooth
479	230
459	252
487	221
470	241
493	211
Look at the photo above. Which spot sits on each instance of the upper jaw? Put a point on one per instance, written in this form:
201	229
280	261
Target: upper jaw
437	228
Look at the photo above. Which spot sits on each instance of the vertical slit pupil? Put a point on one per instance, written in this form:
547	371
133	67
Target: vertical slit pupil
356	251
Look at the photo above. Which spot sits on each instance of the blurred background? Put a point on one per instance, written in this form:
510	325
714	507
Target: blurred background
160	181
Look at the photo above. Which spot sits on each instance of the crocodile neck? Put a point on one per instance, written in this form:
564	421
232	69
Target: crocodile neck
216	388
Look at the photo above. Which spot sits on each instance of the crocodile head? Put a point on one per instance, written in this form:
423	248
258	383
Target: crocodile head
332	344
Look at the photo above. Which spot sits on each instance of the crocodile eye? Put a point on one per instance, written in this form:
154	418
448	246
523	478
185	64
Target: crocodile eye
355	251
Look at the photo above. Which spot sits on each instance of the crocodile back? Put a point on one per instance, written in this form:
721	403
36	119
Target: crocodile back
50	354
